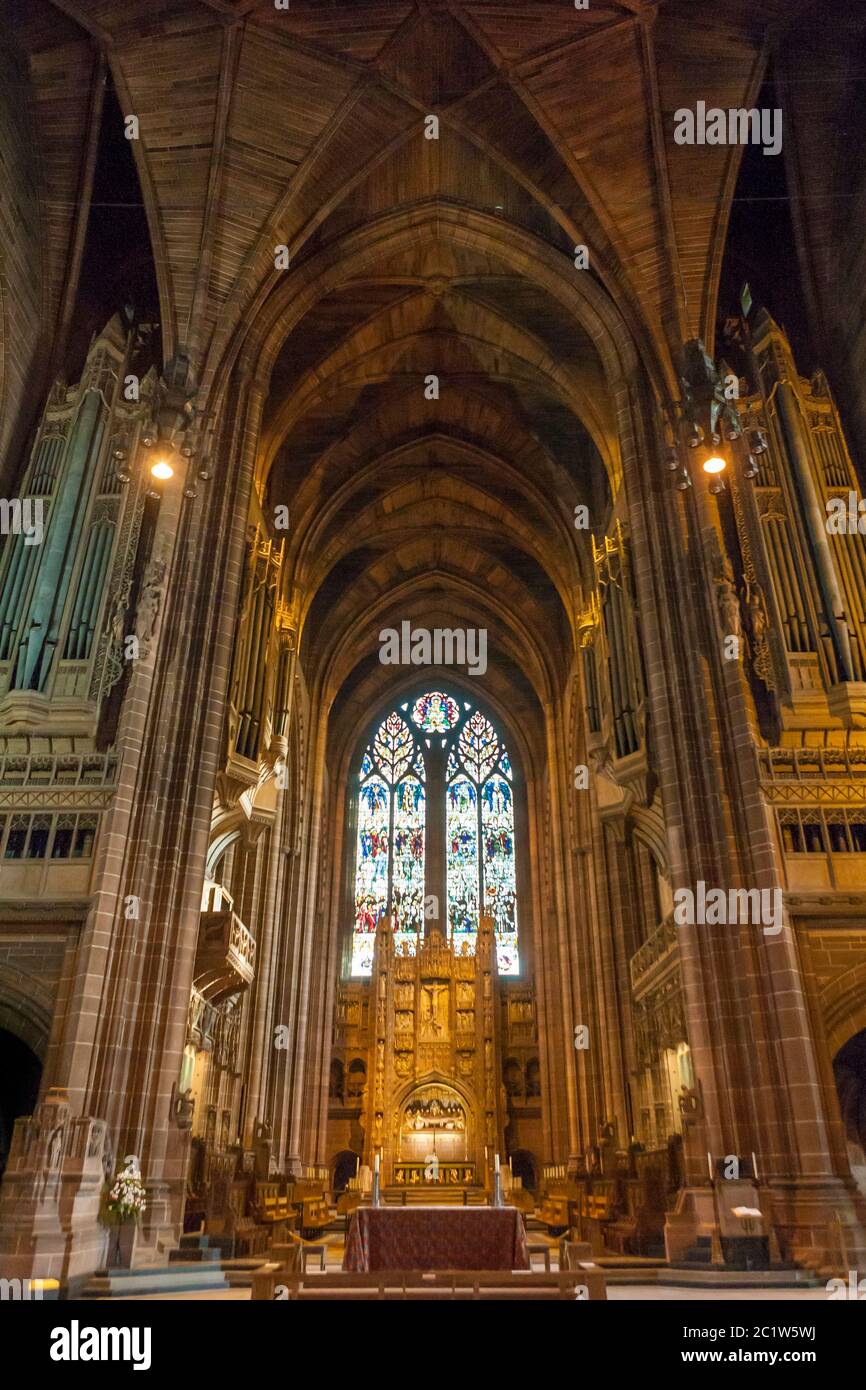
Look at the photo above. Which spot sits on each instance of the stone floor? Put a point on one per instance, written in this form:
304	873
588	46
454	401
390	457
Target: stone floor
617	1293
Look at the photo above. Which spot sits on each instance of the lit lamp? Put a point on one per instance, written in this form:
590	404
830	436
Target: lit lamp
162	470
714	463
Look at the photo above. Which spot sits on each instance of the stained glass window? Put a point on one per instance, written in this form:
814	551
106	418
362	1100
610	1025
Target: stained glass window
394	782
500	888
479	746
462	850
371	872
407	885
394	747
436	713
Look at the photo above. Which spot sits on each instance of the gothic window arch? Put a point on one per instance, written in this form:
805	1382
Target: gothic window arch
446	748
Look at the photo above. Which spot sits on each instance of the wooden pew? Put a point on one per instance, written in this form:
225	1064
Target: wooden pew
522	1199
248	1237
280	1285
315	1209
554	1212
273	1209
599	1205
347	1202
639	1228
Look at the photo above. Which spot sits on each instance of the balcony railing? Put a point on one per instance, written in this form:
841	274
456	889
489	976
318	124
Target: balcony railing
651	957
226	956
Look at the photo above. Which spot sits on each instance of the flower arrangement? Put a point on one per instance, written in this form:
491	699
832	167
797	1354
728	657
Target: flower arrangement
126	1196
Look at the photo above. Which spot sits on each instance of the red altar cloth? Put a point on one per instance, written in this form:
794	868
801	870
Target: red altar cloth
436	1238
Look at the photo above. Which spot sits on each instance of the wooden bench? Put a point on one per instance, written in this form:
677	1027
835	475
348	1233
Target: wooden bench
234	1229
574	1253
598	1207
316	1214
542	1248
271	1203
554	1213
586	1282
520	1198
640	1227
248	1237
347	1202
273	1210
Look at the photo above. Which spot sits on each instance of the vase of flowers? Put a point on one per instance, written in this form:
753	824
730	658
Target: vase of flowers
124	1206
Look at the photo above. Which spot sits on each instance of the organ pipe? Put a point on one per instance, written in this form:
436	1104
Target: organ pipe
815	521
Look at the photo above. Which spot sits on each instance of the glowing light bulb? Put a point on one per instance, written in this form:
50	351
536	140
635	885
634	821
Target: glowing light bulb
714	464
162	470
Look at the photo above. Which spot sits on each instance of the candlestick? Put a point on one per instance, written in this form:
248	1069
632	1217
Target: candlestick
754	1166
710	1165
357	1165
376	1164
496	1163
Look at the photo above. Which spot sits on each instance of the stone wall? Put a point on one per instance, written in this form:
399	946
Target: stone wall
31	966
20	253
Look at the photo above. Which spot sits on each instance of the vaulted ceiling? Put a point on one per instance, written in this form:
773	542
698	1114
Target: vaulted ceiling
261	124
412	258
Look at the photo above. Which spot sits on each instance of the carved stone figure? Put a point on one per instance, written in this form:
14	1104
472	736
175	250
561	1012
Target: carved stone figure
149	610
184	1108
689	1103
434	1012
117	626
757	615
729	607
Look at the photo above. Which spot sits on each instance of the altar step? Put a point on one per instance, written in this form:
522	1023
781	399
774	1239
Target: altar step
174	1278
636	1269
195	1257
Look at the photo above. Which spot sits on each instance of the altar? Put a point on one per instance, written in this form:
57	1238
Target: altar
424	1238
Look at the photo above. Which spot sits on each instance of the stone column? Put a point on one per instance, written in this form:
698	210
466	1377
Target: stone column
748	1024
563	969
612	859
271	925
120	1051
298	1003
